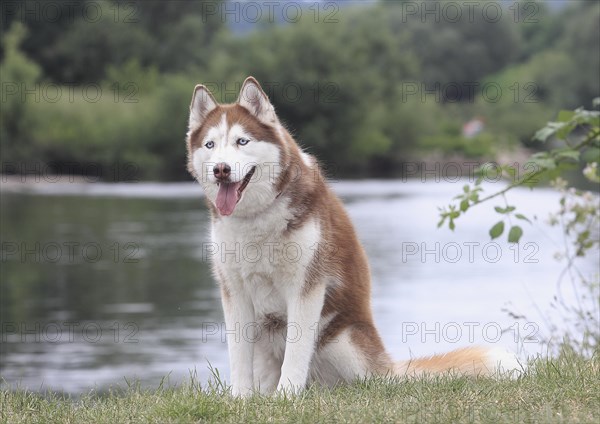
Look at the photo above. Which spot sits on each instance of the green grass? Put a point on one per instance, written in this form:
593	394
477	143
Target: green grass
563	390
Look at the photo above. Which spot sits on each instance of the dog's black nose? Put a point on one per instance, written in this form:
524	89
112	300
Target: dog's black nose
222	171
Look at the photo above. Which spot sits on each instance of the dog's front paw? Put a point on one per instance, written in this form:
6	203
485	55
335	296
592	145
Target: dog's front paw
288	389
239	391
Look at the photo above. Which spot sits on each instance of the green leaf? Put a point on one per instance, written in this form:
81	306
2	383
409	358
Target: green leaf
592	154
497	230
505	210
474	197
567	154
464	205
544	163
585	116
515	233
522	217
544	133
596	101
564	131
565	115
581	237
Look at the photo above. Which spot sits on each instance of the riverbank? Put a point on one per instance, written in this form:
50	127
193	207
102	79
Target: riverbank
566	389
428	167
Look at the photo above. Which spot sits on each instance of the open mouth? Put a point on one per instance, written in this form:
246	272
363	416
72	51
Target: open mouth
230	193
245	181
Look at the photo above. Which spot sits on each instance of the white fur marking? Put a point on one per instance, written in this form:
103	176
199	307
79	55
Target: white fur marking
339	361
504	362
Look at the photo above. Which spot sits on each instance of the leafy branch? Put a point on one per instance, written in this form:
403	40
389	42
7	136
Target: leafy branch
540	166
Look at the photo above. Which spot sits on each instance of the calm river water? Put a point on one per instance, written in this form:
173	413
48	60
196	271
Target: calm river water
105	282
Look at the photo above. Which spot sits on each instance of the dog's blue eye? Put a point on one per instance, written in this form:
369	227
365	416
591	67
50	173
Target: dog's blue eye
242	141
209	144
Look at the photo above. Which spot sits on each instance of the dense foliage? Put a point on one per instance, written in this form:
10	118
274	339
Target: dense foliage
365	87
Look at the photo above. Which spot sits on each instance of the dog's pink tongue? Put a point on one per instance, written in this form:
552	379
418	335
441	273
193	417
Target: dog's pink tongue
227	197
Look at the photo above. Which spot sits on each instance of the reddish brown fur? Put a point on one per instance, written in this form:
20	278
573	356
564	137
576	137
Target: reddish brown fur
467	360
341	255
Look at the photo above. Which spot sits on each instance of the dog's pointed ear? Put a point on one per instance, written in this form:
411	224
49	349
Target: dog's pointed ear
253	98
202	104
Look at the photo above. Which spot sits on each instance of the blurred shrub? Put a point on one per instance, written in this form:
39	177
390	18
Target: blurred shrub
339	87
140	130
16	119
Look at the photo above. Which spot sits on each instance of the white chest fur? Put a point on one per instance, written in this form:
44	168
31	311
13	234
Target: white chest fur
261	259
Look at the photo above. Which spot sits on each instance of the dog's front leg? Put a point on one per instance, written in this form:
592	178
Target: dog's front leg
239	315
303	314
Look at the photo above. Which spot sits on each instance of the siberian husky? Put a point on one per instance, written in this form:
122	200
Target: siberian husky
294	279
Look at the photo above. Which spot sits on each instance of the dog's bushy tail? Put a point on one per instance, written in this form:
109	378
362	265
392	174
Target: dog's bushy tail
476	361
